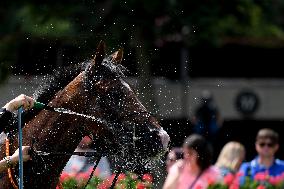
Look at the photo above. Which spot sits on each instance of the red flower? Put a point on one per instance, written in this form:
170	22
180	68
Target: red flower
260	187
121	177
140	185
275	180
234	186
64	176
147	177
96	172
110	178
84	176
120	186
228	179
198	186
210	181
263	176
105	184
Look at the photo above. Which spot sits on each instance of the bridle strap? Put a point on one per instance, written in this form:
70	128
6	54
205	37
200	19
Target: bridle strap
115	179
94	168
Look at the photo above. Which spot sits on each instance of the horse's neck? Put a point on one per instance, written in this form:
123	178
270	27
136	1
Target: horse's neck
52	132
55	131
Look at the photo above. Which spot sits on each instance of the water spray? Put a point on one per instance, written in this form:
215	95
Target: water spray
41	106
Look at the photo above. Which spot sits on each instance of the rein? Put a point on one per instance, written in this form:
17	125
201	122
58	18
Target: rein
97	154
86	154
88	82
34	152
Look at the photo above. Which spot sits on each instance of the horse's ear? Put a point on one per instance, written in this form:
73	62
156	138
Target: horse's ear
100	53
117	56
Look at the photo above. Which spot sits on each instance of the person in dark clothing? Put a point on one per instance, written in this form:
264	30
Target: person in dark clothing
207	120
6	117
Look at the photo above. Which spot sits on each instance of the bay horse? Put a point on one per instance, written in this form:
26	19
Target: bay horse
124	128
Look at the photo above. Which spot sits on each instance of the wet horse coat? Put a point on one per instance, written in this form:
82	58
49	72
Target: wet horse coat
99	91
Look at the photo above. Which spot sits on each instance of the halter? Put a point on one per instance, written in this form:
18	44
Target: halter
123	118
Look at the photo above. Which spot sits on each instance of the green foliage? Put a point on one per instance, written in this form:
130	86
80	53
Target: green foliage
129	23
71	183
39	23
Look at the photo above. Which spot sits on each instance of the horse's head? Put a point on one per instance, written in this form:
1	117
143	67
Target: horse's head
101	92
134	128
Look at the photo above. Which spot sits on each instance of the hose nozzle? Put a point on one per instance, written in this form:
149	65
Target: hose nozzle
39	105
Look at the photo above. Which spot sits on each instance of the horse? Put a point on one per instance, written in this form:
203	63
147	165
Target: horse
122	126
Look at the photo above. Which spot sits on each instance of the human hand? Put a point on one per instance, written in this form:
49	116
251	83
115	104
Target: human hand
22	100
26	156
180	165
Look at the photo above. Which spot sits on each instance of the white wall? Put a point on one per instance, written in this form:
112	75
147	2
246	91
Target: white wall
177	100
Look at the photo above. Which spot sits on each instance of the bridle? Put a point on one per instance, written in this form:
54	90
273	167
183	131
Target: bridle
121	119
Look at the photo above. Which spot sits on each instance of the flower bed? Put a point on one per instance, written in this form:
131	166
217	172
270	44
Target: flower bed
260	181
125	181
132	181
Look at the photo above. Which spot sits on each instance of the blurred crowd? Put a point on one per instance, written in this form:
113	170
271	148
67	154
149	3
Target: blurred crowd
190	166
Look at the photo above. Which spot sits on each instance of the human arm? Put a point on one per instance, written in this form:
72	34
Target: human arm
173	175
21	100
6	114
4	164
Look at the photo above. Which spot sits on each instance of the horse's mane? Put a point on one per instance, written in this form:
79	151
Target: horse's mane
61	77
51	84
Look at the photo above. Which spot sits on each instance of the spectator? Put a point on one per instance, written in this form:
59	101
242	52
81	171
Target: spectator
195	170
207	120
267	144
230	158
173	155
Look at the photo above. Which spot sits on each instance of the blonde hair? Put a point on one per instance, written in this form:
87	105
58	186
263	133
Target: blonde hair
231	156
